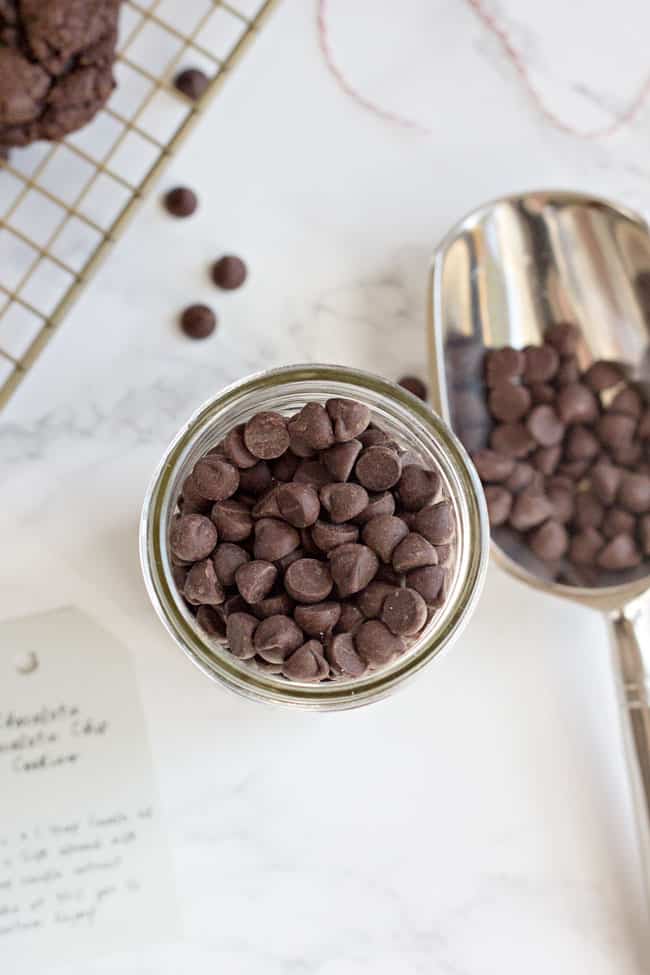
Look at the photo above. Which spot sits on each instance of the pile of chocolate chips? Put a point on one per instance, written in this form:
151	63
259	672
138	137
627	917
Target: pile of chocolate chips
311	545
567	469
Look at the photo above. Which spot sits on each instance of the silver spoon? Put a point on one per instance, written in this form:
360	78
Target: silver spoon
502	276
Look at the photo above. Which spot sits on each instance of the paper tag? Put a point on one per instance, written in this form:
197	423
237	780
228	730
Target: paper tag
83	866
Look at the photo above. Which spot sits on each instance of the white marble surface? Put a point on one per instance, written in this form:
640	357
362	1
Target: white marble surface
479	821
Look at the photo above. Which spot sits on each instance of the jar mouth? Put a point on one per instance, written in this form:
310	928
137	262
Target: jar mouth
280	389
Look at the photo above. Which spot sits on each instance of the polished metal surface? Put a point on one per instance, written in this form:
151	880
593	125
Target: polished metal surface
502	276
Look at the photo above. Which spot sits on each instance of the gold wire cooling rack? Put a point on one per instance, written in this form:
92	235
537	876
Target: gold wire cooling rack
64	204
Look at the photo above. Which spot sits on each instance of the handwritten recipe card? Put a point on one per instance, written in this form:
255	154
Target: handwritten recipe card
83	865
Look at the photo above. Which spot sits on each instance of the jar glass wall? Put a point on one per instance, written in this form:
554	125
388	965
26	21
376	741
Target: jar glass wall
408	421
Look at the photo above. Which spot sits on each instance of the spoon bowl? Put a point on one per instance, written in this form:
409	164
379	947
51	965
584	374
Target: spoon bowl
503	276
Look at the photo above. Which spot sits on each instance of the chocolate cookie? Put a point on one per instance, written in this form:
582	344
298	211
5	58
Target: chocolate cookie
56	66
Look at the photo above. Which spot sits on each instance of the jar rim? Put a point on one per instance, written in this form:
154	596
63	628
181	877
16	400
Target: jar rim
335	694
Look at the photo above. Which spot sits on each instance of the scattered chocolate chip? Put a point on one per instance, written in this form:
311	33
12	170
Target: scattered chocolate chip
414	386
198	321
192	83
229	272
181	201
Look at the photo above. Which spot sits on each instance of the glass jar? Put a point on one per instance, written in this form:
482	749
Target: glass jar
407	420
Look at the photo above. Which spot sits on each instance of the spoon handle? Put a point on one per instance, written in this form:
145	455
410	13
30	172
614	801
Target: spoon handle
630	629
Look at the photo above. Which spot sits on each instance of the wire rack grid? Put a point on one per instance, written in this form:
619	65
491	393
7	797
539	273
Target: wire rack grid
63	205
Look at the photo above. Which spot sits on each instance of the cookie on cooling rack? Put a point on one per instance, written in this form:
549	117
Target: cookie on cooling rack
56	66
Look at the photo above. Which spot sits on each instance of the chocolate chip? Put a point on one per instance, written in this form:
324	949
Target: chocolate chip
634	492
512	440
343	501
383	533
308	581
211	622
240	628
352	566
428	581
255	580
617	522
285	467
373	437
581	444
350	620
193	501
378	504
576	404
341	458
644	534
530	508
499	504
181	201
298	504
280	605
550	541
349	418
546	459
318	619
585	546
603	375
229	272
276	638
615	429
574	470
343	657
267	505
202	586
274	539
627	454
541	393
620	553
198	321
404	612
561	499
192	537
508	402
307	664
192	83
413	552
371	599
417	486
436	523
227	559
311	428
312	472
266	435
628	400
236	450
234	604
564	337
326	536
215	478
375	644
605	481
568	373
545	426
378	468
492	466
589	511
414	386
255	480
503	364
541	363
